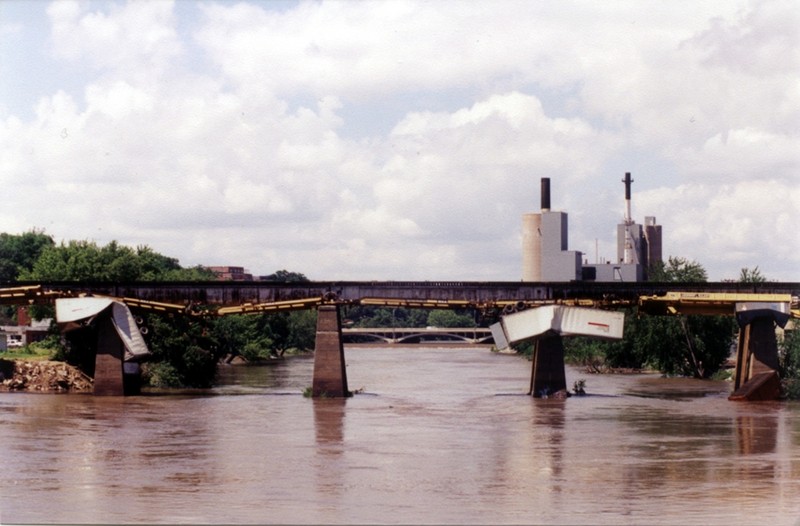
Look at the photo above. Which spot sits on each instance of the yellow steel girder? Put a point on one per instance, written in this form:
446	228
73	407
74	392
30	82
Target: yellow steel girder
29	294
287	305
707	303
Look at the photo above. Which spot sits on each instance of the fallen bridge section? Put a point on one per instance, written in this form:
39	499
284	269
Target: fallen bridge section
546	326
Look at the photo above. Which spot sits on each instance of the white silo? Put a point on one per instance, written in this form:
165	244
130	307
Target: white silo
532	237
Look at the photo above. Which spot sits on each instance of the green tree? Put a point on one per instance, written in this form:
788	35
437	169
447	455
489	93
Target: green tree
290	330
689	345
85	261
678	269
239	335
381	317
370	316
448	318
154	266
285	276
789	349
751	276
183	352
196	273
18	253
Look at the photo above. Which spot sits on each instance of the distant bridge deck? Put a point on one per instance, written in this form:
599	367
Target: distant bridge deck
399	335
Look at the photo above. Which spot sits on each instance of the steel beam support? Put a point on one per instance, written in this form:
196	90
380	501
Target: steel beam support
330	375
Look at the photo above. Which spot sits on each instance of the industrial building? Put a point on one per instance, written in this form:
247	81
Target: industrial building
228	273
546	256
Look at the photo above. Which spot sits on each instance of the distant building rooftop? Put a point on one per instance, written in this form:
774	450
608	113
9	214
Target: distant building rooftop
232	273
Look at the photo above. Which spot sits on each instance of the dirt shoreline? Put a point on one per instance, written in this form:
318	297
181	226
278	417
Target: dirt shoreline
43	376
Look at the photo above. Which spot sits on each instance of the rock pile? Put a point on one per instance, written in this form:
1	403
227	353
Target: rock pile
42	376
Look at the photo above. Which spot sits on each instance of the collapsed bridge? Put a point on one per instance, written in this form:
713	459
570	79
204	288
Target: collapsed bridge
758	307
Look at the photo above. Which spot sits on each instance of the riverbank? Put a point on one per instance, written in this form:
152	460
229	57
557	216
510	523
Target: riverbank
42	376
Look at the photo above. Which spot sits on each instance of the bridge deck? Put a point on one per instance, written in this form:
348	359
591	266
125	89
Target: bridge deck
238	293
231	297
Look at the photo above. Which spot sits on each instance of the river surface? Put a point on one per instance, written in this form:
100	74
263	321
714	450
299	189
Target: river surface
436	436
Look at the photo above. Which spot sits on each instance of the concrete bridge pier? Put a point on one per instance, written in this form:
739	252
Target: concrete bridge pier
757	353
110	378
330	375
548	375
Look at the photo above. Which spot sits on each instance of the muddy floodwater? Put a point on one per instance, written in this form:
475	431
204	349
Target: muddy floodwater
436	436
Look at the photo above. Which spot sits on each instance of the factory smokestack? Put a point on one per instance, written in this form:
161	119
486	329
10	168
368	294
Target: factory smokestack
545	193
628	180
628	254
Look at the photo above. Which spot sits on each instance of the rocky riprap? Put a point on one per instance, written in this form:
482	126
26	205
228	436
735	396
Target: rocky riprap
42	376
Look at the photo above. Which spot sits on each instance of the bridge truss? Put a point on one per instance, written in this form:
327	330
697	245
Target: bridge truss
211	299
757	308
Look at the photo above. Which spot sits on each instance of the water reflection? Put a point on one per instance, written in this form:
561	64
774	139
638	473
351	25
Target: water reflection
549	419
756	434
329	424
329	452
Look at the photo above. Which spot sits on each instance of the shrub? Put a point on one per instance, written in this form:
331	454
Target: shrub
256	351
789	352
161	374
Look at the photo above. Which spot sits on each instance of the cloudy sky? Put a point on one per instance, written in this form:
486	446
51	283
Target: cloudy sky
400	140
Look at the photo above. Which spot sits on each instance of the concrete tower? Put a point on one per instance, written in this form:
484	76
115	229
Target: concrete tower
532	237
544	244
652	237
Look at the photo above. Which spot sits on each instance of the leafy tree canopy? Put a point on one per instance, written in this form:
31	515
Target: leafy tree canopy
286	276
449	318
751	276
678	269
18	253
86	261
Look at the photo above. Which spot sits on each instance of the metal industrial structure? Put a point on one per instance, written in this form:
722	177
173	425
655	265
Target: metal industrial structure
546	257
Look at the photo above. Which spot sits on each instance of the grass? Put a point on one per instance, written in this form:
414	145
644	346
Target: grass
29	352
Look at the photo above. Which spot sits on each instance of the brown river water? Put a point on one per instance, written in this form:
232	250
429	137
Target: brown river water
437	436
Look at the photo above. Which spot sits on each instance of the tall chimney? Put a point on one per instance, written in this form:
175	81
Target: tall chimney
545	194
628	251
628	180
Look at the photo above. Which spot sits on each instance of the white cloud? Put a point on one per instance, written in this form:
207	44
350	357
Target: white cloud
136	36
731	226
226	143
